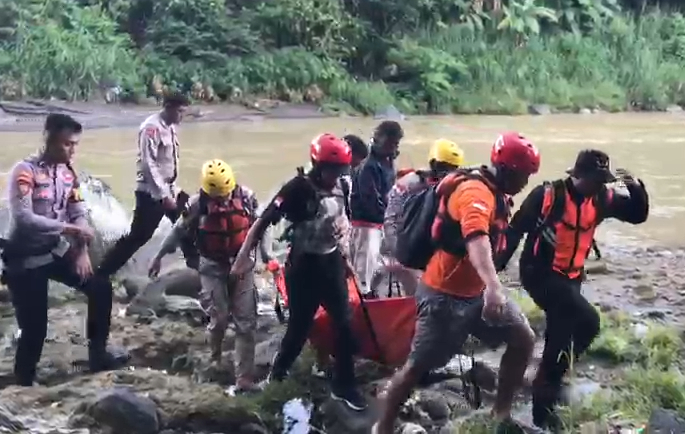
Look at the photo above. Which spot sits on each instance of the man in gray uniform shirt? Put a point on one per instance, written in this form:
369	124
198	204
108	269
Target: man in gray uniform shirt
49	240
156	192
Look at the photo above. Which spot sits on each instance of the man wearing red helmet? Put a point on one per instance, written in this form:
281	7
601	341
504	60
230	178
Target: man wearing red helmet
317	265
459	293
560	219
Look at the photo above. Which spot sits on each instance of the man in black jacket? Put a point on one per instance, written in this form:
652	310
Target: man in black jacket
560	219
371	184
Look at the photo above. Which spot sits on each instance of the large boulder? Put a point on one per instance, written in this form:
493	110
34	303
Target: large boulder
123	411
106	214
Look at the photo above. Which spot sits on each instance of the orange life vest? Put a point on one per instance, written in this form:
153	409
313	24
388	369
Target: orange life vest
223	226
447	232
569	227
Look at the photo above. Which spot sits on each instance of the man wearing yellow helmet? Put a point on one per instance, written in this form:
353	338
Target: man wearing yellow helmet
218	219
444	156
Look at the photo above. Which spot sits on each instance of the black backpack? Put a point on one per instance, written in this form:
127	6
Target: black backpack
415	244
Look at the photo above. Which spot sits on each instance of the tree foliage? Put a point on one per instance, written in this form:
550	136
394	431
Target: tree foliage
424	55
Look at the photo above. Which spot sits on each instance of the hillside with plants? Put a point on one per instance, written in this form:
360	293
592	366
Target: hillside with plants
423	56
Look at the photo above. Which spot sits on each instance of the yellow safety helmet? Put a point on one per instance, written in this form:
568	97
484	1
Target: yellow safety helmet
446	151
217	178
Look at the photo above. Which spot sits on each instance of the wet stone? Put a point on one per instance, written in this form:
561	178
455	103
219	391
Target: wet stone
645	292
124	412
664	421
9	423
435	404
222	373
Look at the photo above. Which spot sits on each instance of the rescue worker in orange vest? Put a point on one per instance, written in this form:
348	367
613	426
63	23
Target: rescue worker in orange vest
560	219
459	293
444	157
218	219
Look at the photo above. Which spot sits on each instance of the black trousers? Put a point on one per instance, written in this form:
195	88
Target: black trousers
572	324
313	281
29	290
147	214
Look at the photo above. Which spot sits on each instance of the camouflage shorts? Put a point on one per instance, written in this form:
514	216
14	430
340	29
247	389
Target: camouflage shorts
444	322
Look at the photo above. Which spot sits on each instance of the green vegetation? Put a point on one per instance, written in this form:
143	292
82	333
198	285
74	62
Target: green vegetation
423	56
646	363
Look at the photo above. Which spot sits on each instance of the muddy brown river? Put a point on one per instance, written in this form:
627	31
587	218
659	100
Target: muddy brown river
645	282
264	153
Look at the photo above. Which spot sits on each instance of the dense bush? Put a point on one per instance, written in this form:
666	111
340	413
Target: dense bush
437	56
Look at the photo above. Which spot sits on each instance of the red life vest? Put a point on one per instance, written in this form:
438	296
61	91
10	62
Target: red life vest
572	226
223	226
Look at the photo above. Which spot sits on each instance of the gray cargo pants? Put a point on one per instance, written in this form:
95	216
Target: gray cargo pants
223	298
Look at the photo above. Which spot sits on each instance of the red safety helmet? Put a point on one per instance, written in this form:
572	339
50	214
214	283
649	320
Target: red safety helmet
327	148
515	152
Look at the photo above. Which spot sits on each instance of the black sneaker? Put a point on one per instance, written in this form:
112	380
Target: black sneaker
100	359
351	397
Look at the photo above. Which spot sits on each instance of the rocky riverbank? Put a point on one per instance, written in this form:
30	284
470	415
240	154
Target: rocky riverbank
171	387
29	115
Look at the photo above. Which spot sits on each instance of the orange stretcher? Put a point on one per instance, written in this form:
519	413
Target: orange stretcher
384	328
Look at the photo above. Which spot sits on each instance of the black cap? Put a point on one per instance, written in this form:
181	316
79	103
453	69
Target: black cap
593	165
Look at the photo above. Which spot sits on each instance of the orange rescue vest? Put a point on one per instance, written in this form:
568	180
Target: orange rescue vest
569	227
447	232
223	226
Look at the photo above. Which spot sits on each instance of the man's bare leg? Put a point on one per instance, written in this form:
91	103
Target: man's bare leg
397	391
513	368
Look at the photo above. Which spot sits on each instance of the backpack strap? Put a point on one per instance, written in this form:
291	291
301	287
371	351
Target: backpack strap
558	191
203	203
345	187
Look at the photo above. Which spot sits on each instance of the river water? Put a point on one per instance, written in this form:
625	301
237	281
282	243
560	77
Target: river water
264	153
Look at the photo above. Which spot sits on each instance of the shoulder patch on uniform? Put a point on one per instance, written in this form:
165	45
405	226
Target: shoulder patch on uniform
150	131
24	177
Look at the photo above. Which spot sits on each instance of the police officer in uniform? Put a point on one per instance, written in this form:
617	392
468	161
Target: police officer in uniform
156	192
49	241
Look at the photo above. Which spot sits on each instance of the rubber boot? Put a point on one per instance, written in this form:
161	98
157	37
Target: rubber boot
100	358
